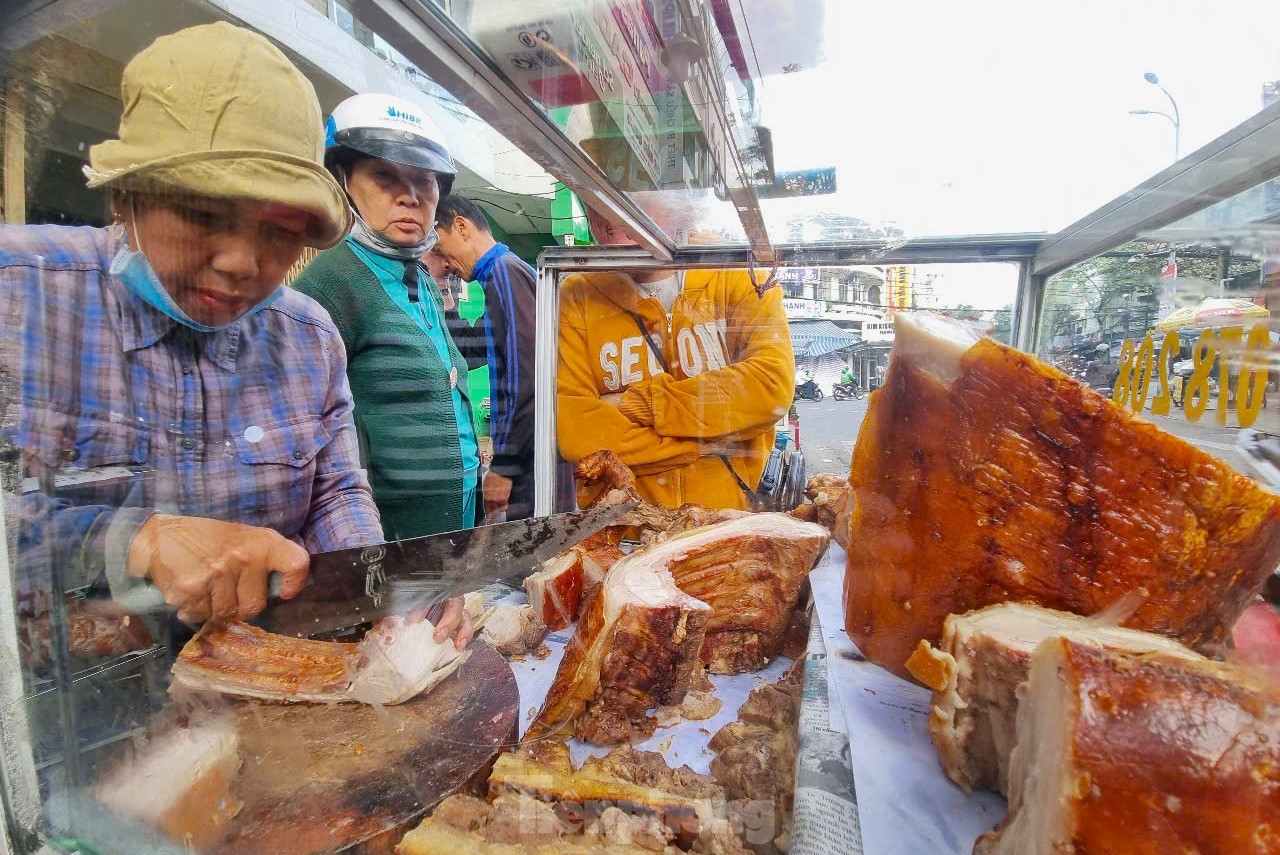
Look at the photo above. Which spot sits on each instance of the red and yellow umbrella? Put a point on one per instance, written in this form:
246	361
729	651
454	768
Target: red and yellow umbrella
1213	312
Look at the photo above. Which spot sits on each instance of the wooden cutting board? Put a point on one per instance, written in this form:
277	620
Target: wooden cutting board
352	778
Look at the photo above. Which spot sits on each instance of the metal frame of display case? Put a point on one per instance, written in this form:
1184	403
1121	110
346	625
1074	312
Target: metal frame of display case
20	800
1242	158
426	34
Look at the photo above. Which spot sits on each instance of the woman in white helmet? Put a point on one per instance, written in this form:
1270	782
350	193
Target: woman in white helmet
408	379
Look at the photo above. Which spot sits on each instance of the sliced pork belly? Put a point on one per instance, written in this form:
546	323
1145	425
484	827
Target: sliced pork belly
638	782
235	658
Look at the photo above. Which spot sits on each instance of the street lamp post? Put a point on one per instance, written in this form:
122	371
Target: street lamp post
1175	119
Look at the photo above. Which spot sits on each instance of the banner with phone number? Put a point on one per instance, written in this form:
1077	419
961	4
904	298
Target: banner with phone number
1228	363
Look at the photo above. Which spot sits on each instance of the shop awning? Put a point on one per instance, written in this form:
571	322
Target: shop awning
816	338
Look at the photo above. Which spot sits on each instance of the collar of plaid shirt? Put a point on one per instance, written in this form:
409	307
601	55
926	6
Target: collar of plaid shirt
141	326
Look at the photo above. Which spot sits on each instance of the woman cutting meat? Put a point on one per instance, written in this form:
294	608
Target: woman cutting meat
166	347
407	376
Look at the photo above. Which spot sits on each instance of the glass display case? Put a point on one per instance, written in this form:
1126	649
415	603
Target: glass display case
769	388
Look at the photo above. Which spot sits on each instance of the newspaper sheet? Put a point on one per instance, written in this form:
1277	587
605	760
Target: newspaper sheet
906	805
826	810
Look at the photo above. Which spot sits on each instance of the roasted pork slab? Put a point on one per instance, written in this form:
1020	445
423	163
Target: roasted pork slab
749	570
635	649
1125	753
396	661
975	673
564	585
96	629
982	475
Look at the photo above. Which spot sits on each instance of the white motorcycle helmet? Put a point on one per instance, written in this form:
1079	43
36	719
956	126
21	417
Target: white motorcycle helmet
389	128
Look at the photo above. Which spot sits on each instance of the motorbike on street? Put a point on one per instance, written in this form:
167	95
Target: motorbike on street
809	391
845	391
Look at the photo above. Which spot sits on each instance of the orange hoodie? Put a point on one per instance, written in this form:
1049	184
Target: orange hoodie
732	373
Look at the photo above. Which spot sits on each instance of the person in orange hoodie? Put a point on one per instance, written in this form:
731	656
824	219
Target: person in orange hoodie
683	375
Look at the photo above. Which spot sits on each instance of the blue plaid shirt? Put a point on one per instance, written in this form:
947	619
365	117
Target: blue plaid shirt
250	424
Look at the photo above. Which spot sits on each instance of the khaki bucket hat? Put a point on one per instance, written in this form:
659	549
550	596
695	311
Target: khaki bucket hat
217	110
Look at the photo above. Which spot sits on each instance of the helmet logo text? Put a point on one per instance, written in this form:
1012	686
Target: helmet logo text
403	116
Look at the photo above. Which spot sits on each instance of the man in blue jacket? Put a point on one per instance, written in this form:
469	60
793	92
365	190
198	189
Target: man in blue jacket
468	247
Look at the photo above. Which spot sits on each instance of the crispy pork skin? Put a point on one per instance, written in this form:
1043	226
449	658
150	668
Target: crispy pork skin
982	475
635	649
563	586
1141	753
238	659
975	673
596	562
396	661
179	781
750	571
843	514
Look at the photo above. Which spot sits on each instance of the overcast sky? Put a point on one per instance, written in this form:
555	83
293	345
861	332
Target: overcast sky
1011	115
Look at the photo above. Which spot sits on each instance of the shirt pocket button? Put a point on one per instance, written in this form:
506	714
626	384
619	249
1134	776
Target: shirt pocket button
298	455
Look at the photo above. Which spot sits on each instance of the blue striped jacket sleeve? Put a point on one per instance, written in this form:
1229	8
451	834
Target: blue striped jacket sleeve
511	291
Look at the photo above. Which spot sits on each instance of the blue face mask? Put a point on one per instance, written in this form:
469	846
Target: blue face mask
131	267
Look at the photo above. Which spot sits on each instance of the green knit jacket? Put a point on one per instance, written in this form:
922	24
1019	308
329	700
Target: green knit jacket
403	402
